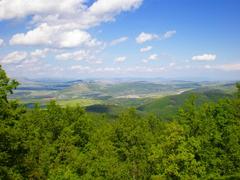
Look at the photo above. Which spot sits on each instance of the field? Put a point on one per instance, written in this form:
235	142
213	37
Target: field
80	102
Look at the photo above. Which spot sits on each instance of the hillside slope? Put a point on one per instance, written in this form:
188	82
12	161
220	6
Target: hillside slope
167	106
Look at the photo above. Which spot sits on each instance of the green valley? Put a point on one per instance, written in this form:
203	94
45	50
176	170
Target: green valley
159	97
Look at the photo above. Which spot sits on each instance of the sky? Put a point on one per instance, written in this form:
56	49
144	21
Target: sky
74	39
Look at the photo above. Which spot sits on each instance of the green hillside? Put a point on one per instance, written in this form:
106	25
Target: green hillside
169	105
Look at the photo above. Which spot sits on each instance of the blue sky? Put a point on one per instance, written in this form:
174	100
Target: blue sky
179	39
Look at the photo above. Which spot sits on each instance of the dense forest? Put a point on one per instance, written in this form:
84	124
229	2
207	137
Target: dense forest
200	142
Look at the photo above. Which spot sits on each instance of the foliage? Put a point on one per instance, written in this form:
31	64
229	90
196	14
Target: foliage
200	142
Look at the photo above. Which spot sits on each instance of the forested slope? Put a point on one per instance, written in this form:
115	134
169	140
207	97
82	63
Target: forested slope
201	142
168	106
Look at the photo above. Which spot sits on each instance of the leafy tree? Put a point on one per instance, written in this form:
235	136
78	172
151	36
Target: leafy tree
6	86
201	142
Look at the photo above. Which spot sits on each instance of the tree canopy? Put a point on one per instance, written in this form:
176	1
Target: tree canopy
201	142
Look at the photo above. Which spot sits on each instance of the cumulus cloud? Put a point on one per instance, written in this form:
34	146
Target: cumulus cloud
18	9
144	37
75	38
54	36
43	34
14	57
63	23
146	49
204	57
1	42
120	59
84	17
118	41
105	10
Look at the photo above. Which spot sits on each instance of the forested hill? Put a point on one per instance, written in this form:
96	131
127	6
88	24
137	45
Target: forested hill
168	106
165	107
200	142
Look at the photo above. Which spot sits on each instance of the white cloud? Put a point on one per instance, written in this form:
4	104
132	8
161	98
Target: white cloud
30	65
14	57
221	67
84	17
144	37
146	49
43	34
169	34
1	42
23	57
207	67
63	23
110	69
153	57
229	67
145	69
39	53
172	64
54	36
74	38
117	70
21	8
105	10
98	62
120	59
224	67
80	68
118	41
145	60
77	55
105	6
37	68
204	57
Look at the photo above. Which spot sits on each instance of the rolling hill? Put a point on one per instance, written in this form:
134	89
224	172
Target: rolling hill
98	96
169	105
